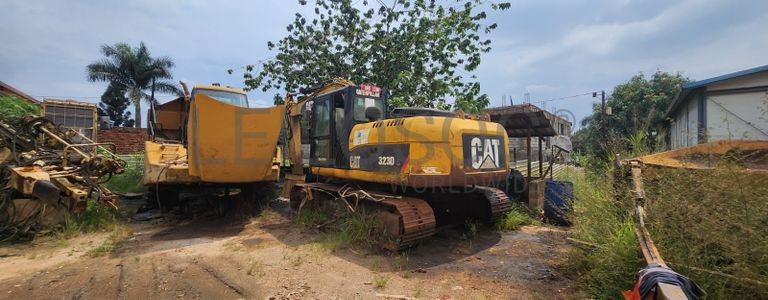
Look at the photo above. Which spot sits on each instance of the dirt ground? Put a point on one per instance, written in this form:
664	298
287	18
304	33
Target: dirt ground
269	257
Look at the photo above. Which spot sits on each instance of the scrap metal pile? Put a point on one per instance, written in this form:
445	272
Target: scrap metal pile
48	173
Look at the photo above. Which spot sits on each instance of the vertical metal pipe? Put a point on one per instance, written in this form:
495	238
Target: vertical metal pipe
541	160
528	153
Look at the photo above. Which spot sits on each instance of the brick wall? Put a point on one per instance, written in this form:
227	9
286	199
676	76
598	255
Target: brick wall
127	140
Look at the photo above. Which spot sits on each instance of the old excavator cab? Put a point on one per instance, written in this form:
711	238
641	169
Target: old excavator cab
212	136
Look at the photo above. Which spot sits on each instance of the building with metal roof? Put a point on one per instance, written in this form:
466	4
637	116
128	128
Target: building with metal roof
728	107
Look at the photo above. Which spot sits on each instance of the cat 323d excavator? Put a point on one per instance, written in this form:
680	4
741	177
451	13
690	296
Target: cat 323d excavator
416	172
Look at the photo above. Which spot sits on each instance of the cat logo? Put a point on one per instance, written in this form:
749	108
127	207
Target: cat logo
483	152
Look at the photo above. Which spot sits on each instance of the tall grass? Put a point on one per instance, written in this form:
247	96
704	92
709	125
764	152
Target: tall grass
713	220
598	219
131	180
96	217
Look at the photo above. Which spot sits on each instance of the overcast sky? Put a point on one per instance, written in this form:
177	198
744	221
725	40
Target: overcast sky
550	49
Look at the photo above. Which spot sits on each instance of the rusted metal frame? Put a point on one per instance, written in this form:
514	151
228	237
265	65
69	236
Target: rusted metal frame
65	154
550	169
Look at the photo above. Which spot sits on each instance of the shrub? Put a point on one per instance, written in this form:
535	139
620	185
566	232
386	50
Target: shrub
131	180
14	107
519	216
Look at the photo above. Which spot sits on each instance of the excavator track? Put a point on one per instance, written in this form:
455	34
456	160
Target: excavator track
406	220
498	202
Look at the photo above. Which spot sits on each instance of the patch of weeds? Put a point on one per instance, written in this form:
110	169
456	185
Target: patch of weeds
131	180
401	261
376	262
96	217
233	245
294	260
256	268
407	274
599	219
359	228
136	259
380	282
113	241
62	243
310	216
417	293
266	214
517	217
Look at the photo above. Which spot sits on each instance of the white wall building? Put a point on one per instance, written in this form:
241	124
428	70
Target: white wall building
728	107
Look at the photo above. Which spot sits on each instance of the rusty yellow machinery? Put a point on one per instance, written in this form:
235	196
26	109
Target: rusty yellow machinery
210	138
416	172
48	172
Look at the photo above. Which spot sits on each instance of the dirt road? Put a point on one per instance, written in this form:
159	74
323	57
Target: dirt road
269	257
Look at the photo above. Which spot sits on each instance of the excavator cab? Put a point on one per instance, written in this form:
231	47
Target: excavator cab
334	114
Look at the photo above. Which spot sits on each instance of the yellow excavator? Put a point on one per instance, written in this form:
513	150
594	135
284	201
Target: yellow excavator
419	171
210	138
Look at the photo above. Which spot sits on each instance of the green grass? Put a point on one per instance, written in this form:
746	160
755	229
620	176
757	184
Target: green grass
131	180
519	216
95	218
119	233
380	282
359	228
598	219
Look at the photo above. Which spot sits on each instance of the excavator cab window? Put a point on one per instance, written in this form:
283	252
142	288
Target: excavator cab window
320	153
224	96
332	117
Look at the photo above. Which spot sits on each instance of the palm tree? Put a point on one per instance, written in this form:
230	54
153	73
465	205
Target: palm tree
134	71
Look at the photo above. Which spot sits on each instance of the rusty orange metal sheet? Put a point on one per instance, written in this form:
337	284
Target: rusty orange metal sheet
232	144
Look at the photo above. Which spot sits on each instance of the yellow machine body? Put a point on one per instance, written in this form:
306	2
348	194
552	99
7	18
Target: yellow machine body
226	143
435	152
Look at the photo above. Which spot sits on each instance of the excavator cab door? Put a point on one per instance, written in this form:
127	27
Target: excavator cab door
333	116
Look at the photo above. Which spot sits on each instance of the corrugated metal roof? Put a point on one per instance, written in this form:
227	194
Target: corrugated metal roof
701	83
687	88
523	120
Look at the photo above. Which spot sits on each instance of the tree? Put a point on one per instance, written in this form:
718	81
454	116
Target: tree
637	124
134	71
113	104
421	51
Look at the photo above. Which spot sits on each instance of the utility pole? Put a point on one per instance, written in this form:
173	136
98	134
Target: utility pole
601	121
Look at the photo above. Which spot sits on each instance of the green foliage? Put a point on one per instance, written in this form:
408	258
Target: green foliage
418	49
637	123
95	218
519	216
113	104
598	219
381	282
14	107
131	180
133	71
358	228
